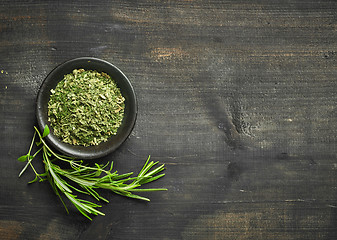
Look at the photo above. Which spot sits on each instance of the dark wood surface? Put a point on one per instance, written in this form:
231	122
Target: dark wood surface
237	98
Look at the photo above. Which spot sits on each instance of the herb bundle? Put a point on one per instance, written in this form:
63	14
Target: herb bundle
85	108
83	179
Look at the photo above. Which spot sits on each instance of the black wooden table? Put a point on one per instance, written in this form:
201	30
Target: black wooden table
237	98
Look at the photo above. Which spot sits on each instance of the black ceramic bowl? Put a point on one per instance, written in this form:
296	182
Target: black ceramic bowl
130	111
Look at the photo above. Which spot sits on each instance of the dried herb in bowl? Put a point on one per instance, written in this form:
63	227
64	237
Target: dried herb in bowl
85	108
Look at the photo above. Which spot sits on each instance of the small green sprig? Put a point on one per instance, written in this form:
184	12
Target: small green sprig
84	179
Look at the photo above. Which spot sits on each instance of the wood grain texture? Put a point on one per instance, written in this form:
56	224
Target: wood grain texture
237	98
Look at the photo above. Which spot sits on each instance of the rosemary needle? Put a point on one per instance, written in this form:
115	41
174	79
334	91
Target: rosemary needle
83	179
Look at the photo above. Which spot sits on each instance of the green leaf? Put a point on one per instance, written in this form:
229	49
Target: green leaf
23	158
58	181
34	180
45	131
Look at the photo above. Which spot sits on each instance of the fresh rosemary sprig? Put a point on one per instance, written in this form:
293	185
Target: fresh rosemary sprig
83	179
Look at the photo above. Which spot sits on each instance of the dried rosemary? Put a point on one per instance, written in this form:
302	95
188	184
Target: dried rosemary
85	108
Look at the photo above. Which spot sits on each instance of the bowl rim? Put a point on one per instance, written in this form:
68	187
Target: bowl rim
128	122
